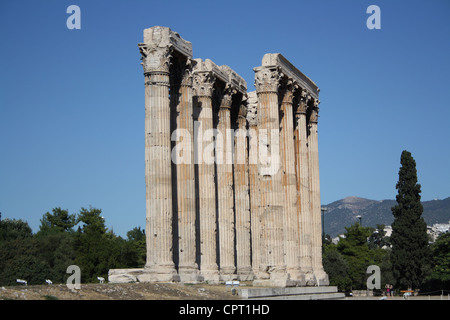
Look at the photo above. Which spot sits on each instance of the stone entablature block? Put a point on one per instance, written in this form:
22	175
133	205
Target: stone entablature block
279	62
163	37
223	73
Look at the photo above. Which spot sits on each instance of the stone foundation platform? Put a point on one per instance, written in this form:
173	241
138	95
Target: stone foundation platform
291	293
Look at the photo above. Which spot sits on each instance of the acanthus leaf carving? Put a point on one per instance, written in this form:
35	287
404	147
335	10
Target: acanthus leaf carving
181	73
303	102
287	90
227	96
187	78
203	83
154	58
267	80
314	116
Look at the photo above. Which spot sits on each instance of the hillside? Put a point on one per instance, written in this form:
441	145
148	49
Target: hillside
342	213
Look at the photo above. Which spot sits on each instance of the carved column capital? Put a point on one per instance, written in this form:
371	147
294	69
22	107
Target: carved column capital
316	103
314	116
203	83
181	73
188	78
154	58
242	113
227	97
303	102
266	79
287	90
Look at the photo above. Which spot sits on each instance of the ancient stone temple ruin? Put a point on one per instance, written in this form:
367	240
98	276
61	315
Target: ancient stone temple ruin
232	177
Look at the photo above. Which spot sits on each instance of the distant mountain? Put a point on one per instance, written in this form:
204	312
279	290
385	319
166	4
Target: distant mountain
342	213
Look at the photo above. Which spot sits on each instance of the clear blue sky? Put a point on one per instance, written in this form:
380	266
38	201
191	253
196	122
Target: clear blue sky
72	101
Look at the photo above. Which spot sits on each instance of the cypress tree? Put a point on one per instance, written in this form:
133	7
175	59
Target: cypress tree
410	251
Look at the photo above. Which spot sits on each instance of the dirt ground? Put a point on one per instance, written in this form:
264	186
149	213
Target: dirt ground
123	291
145	291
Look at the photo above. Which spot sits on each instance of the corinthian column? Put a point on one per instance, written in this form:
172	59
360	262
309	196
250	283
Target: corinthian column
321	276
225	193
203	88
291	229
160	265
271	191
183	167
241	191
302	170
258	265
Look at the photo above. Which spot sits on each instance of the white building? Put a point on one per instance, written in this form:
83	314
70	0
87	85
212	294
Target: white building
437	229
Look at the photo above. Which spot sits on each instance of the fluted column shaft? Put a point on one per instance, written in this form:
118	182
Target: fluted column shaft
255	202
158	168
225	193
272	197
302	169
203	86
289	184
313	148
183	158
242	201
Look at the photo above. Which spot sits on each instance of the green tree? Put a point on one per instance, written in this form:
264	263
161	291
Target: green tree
59	221
136	234
92	221
336	267
440	275
378	239
19	254
47	254
410	252
57	250
14	229
98	249
55	240
355	250
137	240
122	253
91	245
27	267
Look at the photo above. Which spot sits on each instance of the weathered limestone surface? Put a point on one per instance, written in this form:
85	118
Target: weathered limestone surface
124	275
225	199
216	87
278	83
291	226
232	177
302	176
319	273
258	264
183	181
291	72
271	191
242	200
304	293
204	80
156	53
